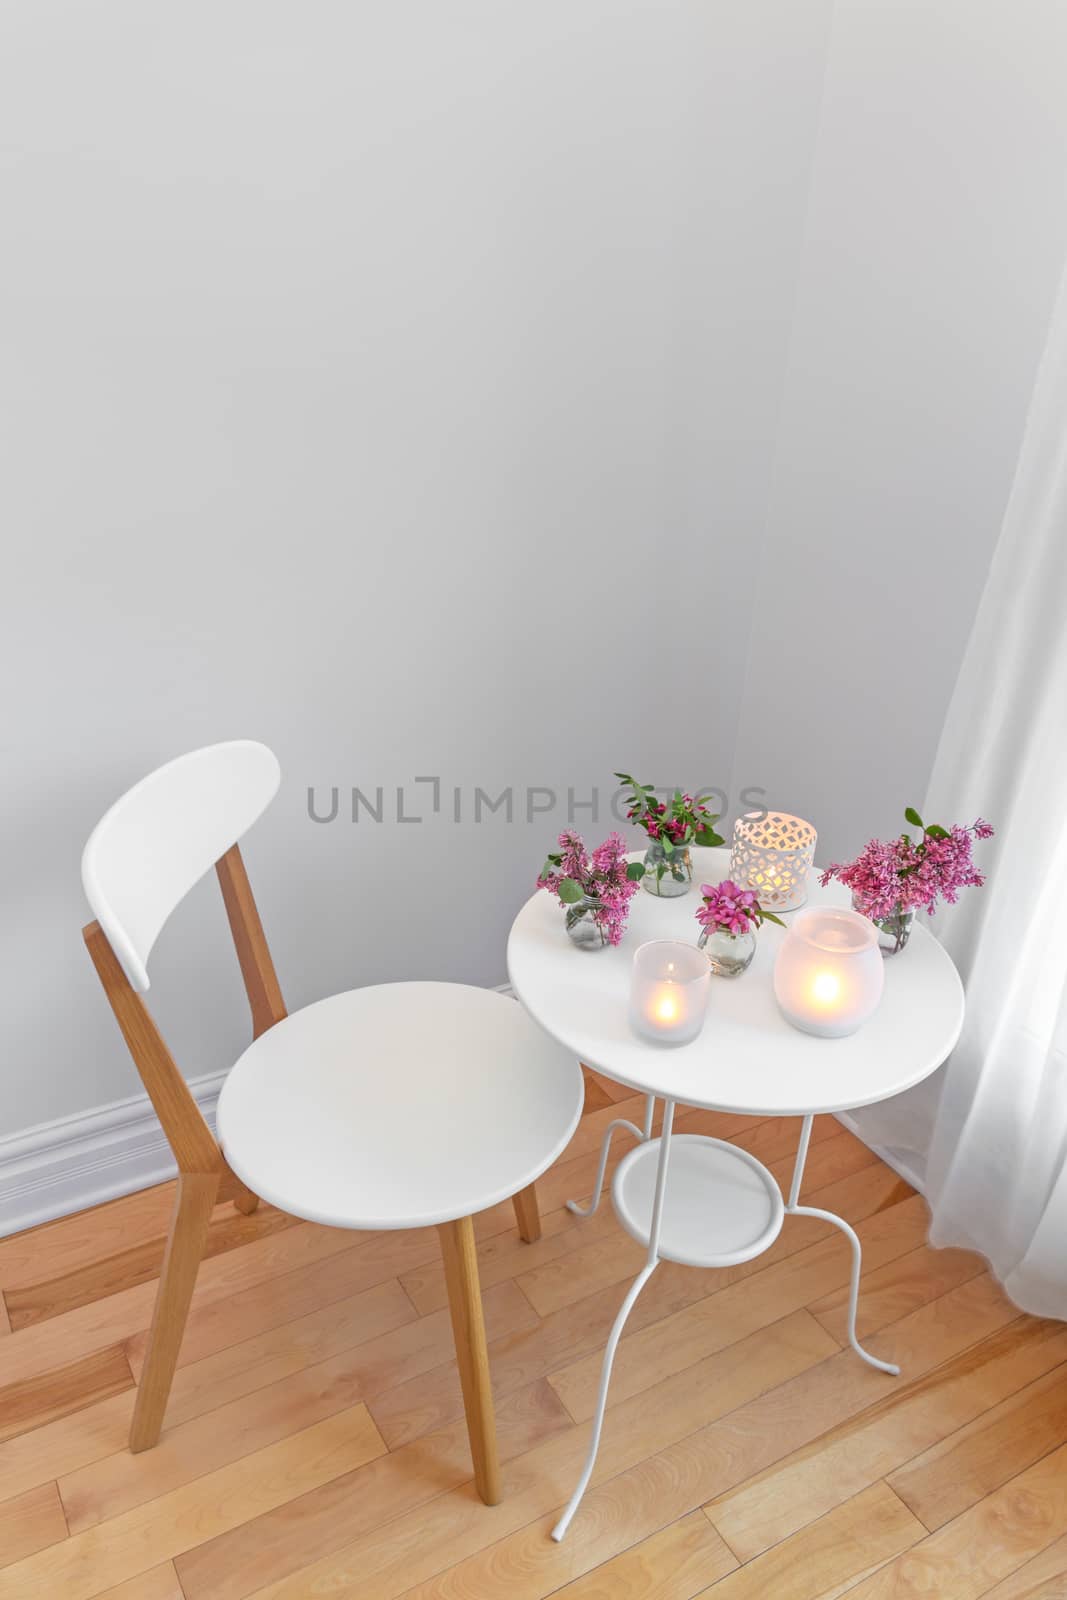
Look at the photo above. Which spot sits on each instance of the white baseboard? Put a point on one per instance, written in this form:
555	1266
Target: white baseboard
81	1160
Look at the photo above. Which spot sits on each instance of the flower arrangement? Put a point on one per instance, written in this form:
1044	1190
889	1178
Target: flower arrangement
891	879
603	878
727	908
680	821
671	825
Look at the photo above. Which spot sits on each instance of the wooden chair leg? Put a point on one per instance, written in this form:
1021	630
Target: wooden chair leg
232	1188
185	1246
527	1214
468	1330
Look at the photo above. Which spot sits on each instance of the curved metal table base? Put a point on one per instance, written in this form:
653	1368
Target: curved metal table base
792	1208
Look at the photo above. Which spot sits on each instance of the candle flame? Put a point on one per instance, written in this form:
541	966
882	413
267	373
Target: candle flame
666	1008
826	988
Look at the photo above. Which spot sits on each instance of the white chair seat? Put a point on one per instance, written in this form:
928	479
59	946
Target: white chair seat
398	1106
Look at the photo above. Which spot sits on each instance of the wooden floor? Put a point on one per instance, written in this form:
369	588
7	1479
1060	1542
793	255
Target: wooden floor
315	1445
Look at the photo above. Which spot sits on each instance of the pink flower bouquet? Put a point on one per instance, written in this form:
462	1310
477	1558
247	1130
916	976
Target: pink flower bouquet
594	889
730	916
727	908
891	879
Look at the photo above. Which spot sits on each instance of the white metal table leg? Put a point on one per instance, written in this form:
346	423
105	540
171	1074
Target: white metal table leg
797	1210
620	1122
651	1261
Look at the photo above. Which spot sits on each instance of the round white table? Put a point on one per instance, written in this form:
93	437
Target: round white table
722	1206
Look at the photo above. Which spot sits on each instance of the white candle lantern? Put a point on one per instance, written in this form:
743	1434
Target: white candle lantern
829	973
669	991
771	854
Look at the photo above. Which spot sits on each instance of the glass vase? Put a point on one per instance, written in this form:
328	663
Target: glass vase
893	932
728	953
581	924
667	875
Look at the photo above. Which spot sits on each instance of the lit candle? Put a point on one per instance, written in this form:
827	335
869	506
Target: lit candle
669	991
829	973
772	853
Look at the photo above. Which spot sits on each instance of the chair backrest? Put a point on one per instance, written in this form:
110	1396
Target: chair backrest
142	858
146	853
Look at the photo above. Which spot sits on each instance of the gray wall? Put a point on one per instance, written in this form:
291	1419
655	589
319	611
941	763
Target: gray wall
469	390
934	242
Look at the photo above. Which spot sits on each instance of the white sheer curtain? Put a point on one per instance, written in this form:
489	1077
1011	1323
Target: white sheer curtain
988	1135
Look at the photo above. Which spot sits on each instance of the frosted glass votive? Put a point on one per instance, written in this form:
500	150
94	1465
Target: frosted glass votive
829	973
772	852
669	991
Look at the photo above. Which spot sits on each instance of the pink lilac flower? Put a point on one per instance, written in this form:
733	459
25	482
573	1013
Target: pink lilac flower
602	876
890	876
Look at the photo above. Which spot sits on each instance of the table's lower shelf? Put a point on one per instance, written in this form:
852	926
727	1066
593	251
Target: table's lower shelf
722	1205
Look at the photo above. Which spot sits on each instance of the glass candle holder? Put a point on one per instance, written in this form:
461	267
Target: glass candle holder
829	974
669	991
771	854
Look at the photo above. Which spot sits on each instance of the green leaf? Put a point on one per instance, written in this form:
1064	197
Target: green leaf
936	831
635	871
668	847
570	890
707	837
912	816
769	916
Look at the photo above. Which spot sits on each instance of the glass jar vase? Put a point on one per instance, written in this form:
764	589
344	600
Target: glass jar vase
581	923
893	931
667	875
729	954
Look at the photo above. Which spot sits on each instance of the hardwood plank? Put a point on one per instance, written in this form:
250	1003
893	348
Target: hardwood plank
754	1300
891	1291
54	1248
596	1096
142	1538
218	1320
589	1133
76	1333
106	1488
140	1263
100	1430
505	1255
673	1564
310	1527
579	1330
962	1560
680	1475
952	1475
29	1523
35	1401
419	1546
5	1320
829	1556
842	1462
800	1409
1044	1577
432	1399
159	1583
612	1090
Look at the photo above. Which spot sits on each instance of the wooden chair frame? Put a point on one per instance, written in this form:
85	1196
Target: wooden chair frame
204	1178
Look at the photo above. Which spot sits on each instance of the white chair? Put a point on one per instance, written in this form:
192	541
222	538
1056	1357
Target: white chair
398	1106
